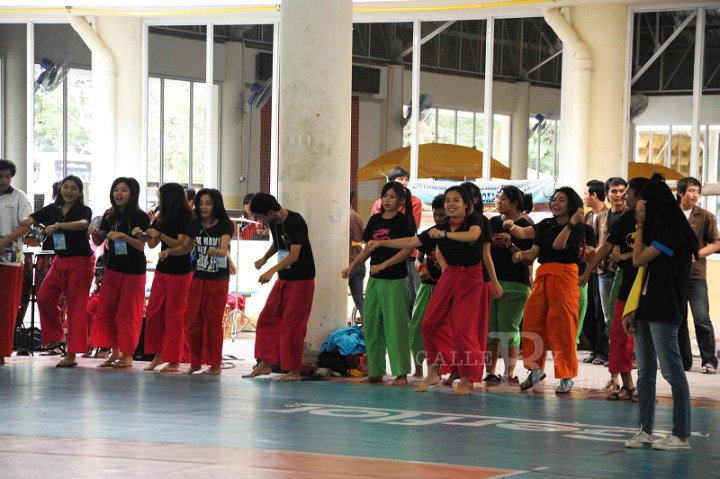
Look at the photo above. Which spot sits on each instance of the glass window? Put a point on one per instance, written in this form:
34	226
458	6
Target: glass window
176	133
176	128
446	126
543	147
465	128
62	121
154	132
198	132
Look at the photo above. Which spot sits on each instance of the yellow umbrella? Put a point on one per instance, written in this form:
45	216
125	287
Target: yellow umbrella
435	160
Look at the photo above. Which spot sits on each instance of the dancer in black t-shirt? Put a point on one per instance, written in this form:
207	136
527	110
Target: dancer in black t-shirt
118	321
551	311
165	312
282	324
209	233
66	222
450	325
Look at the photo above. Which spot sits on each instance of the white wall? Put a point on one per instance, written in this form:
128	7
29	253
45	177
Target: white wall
677	110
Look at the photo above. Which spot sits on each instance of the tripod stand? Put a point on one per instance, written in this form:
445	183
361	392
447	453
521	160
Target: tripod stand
27	340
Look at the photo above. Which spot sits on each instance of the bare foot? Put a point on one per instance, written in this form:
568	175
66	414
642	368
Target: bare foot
191	369
291	376
463	387
400	380
451	379
110	361
171	368
212	371
157	361
260	370
372	379
418	371
431	379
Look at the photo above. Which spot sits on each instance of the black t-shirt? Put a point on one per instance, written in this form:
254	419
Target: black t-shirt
432	264
379	228
505	269
204	266
590	239
485	238
292	231
612	218
66	242
173	228
456	253
623	235
545	233
124	258
665	292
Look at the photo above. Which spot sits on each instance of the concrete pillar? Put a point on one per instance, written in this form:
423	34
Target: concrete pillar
13	50
603	27
314	138
123	37
234	129
519	132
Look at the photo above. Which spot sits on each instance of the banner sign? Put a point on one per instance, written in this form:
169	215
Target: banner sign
541	190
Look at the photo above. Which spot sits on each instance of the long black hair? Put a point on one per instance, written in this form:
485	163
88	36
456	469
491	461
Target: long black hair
474	194
173	204
219	211
523	201
59	201
404	195
663	211
574	200
117	213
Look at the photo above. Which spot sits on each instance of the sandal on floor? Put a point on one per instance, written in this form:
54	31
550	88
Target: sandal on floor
623	394
528	382
589	359
66	364
121	365
107	363
611	386
709	369
492	378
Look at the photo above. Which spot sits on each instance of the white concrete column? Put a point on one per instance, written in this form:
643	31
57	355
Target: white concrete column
314	135
234	129
519	132
603	27
13	49
122	155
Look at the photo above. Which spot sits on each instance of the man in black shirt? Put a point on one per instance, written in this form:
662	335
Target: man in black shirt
282	324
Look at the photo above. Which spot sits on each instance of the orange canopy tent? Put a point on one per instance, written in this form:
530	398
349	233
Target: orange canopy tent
646	170
435	160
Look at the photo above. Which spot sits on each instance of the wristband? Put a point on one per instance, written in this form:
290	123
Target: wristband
446	233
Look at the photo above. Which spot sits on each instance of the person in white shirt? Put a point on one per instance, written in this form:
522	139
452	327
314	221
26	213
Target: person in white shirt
14	206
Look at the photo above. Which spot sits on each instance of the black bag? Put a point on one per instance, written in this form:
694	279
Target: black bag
26	340
333	360
139	354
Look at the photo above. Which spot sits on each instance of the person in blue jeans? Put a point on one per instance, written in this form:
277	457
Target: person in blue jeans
665	245
356	279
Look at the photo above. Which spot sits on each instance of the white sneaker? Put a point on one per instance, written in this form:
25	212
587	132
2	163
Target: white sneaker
671	443
639	440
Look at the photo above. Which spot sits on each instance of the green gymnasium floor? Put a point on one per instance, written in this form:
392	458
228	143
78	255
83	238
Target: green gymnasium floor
88	422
